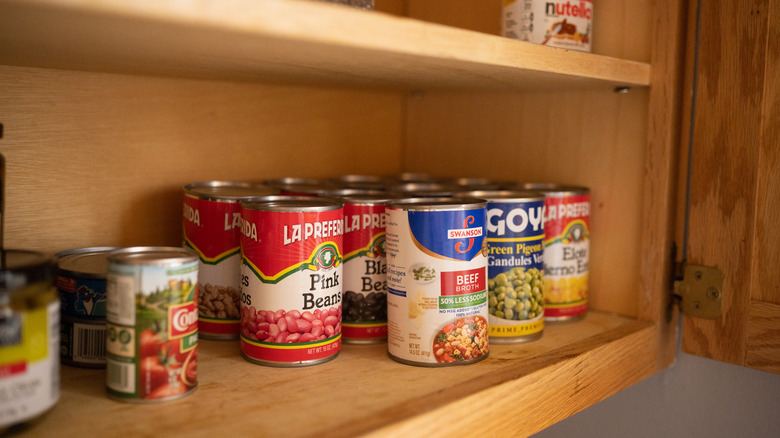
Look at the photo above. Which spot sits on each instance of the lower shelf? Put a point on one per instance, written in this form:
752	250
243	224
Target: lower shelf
518	390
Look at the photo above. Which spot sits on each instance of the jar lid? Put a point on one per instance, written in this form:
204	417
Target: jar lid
19	268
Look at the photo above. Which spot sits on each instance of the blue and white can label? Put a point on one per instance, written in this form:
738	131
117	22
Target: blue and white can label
437	281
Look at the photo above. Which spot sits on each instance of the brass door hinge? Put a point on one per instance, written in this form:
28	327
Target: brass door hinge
699	290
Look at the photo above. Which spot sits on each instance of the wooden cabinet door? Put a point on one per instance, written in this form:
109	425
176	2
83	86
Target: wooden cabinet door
735	180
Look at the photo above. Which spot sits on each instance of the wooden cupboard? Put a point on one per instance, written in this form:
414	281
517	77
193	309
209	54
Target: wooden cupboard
108	108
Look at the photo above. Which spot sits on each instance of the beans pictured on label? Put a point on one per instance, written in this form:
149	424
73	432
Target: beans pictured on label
219	302
365	308
516	294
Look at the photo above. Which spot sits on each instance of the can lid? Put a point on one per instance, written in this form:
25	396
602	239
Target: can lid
553	189
292	204
227	190
503	195
90	262
19	268
153	256
445	203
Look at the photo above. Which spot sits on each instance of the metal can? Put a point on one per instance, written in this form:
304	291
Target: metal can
356	181
566	250
365	269
558	23
152	320
291	280
29	338
81	284
515	234
424	189
437	307
211	219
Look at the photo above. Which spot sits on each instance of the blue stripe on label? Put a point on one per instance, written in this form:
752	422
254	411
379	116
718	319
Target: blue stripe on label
400	293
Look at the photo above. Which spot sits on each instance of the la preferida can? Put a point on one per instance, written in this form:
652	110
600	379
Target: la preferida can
152	320
515	235
567	24
437	307
566	250
29	338
81	284
365	269
291	280
211	220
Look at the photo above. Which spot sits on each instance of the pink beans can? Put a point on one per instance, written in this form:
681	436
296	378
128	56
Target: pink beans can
291	280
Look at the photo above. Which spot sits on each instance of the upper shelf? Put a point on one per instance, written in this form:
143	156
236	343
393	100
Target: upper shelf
299	42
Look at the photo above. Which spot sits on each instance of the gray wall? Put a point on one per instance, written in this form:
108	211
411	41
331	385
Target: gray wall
696	397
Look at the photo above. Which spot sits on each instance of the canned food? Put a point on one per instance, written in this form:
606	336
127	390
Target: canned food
437	306
477	183
566	250
291	280
515	234
81	284
211	228
424	189
365	269
29	337
558	23
371	182
152	320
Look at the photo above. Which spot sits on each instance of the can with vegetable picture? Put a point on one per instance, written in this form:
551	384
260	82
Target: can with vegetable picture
515	234
152	322
437	307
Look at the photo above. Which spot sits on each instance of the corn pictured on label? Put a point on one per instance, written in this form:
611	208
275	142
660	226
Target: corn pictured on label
566	254
437	285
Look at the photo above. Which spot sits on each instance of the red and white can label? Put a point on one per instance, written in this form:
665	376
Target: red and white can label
365	273
291	285
211	228
566	251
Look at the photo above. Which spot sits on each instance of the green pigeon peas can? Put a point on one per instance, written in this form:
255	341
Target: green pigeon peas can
515	235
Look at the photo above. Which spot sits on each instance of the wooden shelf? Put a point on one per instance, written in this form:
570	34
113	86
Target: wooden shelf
289	41
362	391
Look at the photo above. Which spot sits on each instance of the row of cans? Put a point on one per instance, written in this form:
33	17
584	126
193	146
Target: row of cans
522	287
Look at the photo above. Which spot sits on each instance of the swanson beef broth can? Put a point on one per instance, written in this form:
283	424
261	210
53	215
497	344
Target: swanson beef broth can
211	222
567	24
566	250
365	269
437	307
515	235
152	320
81	284
291	280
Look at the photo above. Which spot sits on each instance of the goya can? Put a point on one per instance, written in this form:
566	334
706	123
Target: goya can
566	250
364	317
567	24
211	219
515	234
291	280
152	320
437	306
29	338
81	284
